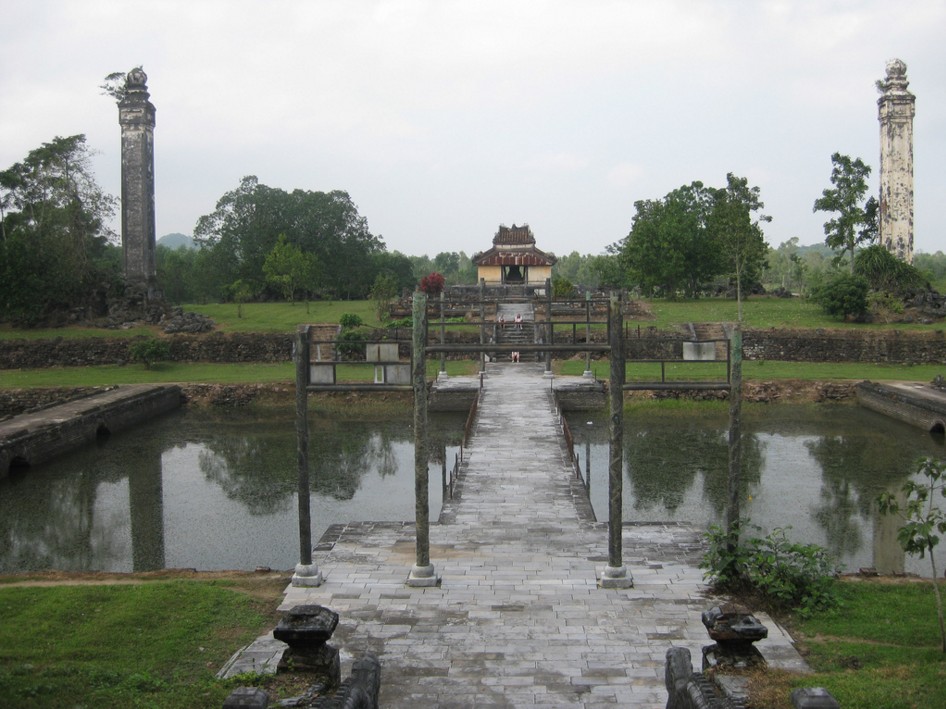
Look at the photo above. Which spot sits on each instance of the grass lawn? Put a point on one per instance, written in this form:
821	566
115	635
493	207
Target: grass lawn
759	370
253	373
880	649
159	644
154	644
284	317
760	312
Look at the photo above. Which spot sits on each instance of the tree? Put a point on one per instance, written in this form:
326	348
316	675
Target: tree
177	273
669	248
398	266
289	269
853	224
785	267
738	235
923	522
247	222
54	238
383	292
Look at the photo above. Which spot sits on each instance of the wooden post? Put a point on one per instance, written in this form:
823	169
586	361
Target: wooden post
616	575
735	439
422	574
306	572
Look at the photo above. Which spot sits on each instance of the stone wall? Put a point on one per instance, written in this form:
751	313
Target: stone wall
874	346
868	346
215	347
47	438
910	407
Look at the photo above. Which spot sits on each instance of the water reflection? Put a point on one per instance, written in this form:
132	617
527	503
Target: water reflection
211	491
662	475
215	491
817	469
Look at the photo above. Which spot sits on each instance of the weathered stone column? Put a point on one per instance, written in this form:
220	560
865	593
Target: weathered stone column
588	374
482	287
422	574
615	574
549	336
443	337
896	108
306	573
733	512
136	118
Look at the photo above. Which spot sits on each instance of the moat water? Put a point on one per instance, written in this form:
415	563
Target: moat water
213	491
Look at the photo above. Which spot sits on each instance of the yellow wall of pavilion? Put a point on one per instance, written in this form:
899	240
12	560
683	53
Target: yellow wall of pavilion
491	274
538	274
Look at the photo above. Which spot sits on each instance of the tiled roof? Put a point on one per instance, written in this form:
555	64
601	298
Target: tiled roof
530	256
514	236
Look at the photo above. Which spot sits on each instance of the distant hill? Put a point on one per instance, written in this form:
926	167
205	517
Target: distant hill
176	241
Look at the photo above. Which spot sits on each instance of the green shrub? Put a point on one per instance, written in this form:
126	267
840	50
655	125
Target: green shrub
562	287
923	522
791	576
351	345
149	351
844	296
349	321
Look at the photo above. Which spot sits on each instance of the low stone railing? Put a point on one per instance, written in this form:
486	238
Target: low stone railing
306	629
734	630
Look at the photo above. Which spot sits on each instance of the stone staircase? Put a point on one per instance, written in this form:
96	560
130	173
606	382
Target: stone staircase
510	334
322	337
704	331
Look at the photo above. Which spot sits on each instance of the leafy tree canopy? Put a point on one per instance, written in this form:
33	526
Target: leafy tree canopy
54	238
693	235
853	223
247	222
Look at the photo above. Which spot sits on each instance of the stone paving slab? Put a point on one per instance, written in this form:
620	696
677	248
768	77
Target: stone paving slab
519	618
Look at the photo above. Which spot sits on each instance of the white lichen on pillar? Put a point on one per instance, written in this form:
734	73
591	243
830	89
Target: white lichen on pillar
136	117
896	108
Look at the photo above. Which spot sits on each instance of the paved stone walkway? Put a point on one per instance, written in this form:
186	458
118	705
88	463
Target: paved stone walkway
519	619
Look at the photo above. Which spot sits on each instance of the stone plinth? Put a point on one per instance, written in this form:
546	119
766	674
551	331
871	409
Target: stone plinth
306	629
734	629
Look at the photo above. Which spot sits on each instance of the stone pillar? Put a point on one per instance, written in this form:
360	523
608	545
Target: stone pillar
896	108
615	574
307	573
422	573
136	117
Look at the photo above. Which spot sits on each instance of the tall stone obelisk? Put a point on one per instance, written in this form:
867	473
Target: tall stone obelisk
136	117
896	108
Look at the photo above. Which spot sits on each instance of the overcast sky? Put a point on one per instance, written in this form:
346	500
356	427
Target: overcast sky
444	119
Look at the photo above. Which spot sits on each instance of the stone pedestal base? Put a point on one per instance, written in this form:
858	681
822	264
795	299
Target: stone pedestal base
423	576
730	657
615	577
588	374
323	662
307	575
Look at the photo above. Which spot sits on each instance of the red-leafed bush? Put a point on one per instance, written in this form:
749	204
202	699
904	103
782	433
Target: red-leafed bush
432	283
